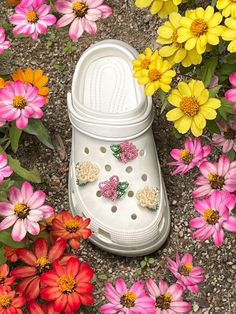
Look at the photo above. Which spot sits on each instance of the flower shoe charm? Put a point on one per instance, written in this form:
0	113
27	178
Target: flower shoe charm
124	151
148	197
113	188
86	172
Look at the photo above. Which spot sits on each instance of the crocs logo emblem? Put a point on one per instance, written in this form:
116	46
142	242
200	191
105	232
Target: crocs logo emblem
124	151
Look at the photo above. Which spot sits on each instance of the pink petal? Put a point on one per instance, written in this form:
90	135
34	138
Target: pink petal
106	11
120	286
8	222
230	224
138	288
15	195
63	6
65	20
197	222
89	26
19	230
76	29
152	288
232	79
163	286
230	95
206	168
204	190
3	160
22	122
32	227
37	199
218	237
223	165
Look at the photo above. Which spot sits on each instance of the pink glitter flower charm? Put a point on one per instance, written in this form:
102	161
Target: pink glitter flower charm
113	188
124	151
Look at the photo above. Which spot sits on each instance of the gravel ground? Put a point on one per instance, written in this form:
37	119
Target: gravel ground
138	28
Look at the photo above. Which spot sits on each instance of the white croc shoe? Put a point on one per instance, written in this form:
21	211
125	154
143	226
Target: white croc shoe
115	177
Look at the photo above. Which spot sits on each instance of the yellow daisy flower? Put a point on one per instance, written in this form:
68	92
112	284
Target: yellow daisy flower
160	7
200	27
193	107
230	34
158	75
228	7
34	77
175	52
143	62
2	82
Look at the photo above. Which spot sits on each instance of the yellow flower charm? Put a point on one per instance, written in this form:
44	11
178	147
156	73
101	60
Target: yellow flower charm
174	51
144	61
86	172
228	7
230	34
193	107
160	7
148	197
158	75
200	27
34	77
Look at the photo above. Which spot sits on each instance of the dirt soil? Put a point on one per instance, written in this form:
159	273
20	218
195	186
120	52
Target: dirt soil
138	28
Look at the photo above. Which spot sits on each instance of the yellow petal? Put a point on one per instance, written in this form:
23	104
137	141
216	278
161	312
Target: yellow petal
175	98
184	124
195	130
208	112
213	103
143	3
174	114
184	89
200	121
191	43
37	75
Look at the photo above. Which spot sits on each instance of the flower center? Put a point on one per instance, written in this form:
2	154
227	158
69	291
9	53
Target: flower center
21	210
211	216
128	299
79	8
67	284
154	75
186	156
185	269
216	181
72	225
32	16
43	265
5	301
145	63
199	27
190	106
229	134
163	301
19	102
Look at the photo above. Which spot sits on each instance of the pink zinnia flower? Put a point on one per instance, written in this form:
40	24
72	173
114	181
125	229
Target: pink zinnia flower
189	157
4	44
20	101
24	210
230	95
188	276
32	18
126	301
82	14
216	176
215	215
5	171
227	136
168	298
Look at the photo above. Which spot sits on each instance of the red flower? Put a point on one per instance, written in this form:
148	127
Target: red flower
4	280
38	262
10	253
70	228
68	286
9	302
46	308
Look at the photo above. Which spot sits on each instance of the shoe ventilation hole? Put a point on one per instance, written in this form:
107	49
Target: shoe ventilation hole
86	150
129	169
114	209
133	216
144	177
141	153
98	194
108	168
103	149
130	193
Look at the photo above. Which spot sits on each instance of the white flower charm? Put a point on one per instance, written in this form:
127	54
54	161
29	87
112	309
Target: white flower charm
86	172
148	197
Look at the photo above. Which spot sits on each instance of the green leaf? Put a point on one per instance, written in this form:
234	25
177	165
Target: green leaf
208	69
213	3
15	135
143	263
102	276
225	109
3	258
214	91
212	126
36	127
176	133
43	234
230	58
5	237
225	71
151	260
231	155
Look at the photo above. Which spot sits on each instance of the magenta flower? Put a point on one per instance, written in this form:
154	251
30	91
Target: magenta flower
20	101
126	301
230	95
32	18
168	298
82	15
188	276
113	188
216	176
227	136
24	210
5	171
192	155
4	44
215	215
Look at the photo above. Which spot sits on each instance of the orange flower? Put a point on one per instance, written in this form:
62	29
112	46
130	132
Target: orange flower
13	2
34	77
2	82
70	228
10	253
